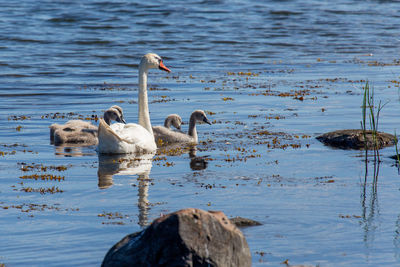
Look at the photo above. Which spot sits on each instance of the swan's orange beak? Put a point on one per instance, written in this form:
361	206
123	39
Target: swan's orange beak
163	67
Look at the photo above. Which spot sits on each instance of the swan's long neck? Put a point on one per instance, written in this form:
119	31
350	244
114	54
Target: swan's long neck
144	115
192	128
107	117
107	120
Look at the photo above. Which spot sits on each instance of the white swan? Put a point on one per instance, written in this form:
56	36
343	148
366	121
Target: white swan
82	132
168	136
132	137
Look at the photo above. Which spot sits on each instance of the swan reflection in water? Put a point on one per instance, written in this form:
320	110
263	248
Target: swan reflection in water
197	163
74	150
128	164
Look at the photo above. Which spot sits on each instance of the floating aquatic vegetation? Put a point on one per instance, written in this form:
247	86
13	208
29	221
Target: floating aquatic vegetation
42	190
43	177
105	87
375	63
274	117
13	152
241	73
4	153
25	167
395	82
162	99
295	94
160	142
168	164
211	186
159	158
29	207
18	118
13	145
71	116
349	216
113	216
172	150
243	154
155	88
58	115
261	254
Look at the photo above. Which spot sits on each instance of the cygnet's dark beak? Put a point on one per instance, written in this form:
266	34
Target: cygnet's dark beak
206	121
121	120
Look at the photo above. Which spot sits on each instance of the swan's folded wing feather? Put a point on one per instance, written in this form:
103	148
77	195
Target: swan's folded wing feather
132	133
125	138
106	130
109	141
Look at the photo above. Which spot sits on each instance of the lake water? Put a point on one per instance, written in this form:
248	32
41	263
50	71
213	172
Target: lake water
272	75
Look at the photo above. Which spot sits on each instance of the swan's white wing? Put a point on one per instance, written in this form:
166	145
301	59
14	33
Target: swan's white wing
125	138
132	133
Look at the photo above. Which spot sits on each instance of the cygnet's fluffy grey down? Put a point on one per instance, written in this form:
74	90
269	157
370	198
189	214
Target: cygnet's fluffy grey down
168	136
82	132
174	120
160	131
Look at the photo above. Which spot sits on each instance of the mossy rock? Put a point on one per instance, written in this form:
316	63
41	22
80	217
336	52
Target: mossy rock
354	139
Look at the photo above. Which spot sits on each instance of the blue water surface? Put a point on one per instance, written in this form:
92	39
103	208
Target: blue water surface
271	75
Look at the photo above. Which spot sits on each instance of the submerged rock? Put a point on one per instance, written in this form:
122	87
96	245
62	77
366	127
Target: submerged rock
243	222
354	139
189	237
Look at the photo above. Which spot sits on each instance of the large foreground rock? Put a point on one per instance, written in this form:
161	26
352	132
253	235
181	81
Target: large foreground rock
189	237
354	139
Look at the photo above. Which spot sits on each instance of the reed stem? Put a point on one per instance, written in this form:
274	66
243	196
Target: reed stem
373	116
